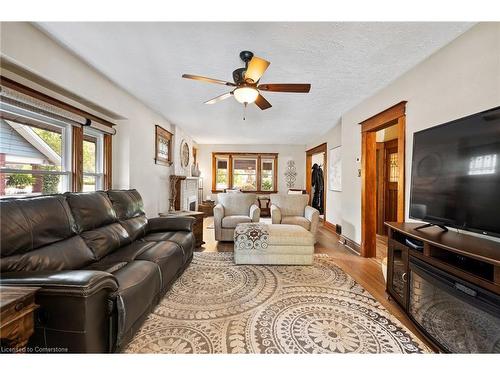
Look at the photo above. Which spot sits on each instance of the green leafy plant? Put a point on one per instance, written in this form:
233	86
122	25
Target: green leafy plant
20	180
267	185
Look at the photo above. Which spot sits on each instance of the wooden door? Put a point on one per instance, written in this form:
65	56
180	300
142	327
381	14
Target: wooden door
391	181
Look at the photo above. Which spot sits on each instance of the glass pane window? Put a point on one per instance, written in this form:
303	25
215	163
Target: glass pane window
245	174
92	160
267	175
393	167
222	173
33	159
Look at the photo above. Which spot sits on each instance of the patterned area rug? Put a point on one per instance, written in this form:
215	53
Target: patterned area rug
218	307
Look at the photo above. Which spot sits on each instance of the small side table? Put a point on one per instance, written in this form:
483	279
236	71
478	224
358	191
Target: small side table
207	207
17	307
197	226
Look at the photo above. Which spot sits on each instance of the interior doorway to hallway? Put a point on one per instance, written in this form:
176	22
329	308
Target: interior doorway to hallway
387	184
394	116
316	167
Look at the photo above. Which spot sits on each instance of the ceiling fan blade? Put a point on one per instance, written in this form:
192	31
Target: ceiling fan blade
262	103
206	79
219	98
285	87
256	68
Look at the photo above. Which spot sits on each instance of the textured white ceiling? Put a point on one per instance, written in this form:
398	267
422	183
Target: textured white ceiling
344	62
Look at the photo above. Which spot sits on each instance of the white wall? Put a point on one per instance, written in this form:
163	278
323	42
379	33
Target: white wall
286	153
460	79
333	198
133	145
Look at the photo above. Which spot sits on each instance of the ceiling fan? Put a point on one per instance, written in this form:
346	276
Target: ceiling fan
246	83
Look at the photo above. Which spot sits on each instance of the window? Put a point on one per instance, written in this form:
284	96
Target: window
34	160
267	175
92	161
48	146
249	172
245	173
222	174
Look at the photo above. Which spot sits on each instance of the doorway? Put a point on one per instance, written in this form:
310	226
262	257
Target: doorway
316	163
382	176
387	184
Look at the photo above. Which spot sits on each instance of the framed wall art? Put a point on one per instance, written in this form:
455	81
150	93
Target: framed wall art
335	172
163	146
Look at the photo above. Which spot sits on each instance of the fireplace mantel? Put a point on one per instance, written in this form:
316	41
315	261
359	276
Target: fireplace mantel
184	192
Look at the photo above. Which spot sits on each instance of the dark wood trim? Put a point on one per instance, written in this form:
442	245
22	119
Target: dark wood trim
48	99
368	197
329	226
108	161
259	156
350	244
317	149
394	115
77	159
385	118
309	153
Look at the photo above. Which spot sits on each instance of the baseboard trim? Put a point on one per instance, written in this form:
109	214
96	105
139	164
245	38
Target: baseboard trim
330	227
350	244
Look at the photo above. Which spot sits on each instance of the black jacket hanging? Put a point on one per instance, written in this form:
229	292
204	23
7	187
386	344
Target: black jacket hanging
318	185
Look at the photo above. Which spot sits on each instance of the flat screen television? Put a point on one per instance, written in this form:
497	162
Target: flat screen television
456	174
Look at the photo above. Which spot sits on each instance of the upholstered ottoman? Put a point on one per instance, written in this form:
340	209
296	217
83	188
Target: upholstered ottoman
259	243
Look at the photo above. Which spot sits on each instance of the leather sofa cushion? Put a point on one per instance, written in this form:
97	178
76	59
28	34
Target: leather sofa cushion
139	282
129	209
127	253
31	223
71	253
233	221
168	256
135	227
297	220
91	210
126	203
184	239
105	240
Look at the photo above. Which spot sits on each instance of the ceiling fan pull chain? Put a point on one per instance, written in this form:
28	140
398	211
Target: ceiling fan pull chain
244	110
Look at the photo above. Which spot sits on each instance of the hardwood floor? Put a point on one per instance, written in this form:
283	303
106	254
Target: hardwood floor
366	271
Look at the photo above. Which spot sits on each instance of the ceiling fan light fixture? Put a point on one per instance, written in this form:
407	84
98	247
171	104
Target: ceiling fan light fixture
246	94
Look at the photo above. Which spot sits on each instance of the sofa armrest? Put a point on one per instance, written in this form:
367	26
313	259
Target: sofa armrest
76	309
312	214
78	283
275	214
254	213
165	224
218	214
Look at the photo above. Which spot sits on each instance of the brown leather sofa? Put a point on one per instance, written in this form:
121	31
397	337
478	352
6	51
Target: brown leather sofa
101	264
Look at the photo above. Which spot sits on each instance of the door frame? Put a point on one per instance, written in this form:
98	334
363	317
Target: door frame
309	153
395	115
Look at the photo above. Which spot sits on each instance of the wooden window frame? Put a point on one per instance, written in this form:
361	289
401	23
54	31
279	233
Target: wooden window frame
257	155
76	180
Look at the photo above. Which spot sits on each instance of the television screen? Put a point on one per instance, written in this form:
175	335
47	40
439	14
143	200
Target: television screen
456	174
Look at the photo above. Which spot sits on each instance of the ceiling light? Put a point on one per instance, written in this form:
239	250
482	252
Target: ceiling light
246	94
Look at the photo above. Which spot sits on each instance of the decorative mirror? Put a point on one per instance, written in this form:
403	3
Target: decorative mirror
184	154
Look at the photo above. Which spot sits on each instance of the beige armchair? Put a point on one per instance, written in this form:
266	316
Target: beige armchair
294	209
231	210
